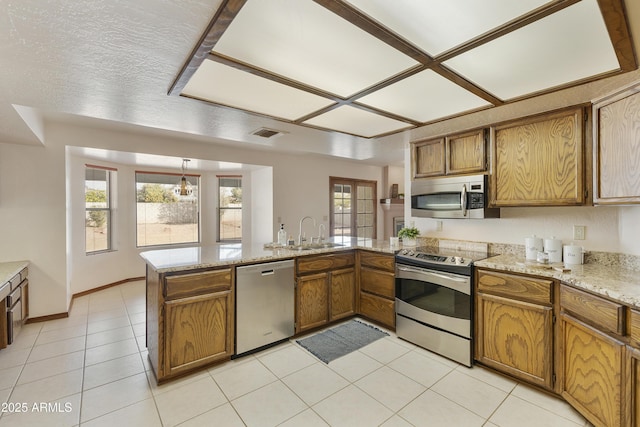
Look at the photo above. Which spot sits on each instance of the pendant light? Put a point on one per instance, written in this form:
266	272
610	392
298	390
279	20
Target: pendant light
184	187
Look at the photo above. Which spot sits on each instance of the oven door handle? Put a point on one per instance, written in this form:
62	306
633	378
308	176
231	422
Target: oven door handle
457	283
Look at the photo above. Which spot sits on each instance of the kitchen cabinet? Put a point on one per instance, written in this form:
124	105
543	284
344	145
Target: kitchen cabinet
461	153
514	325
377	287
539	161
190	320
594	357
633	368
617	148
325	289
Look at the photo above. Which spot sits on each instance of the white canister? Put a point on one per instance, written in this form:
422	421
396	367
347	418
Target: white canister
553	247
573	254
532	246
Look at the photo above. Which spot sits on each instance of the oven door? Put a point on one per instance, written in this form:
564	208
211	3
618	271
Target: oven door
438	299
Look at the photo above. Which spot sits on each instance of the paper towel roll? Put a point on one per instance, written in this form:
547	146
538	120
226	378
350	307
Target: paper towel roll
532	245
553	247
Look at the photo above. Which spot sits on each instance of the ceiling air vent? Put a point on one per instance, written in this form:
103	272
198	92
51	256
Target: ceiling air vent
266	133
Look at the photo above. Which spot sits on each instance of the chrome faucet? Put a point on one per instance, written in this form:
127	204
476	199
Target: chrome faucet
321	230
301	238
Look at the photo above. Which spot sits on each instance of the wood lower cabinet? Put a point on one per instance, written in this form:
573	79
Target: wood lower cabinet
190	320
592	373
325	289
594	357
539	161
514	326
377	287
633	384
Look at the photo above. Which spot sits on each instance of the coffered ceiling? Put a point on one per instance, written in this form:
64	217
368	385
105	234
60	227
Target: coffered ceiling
375	67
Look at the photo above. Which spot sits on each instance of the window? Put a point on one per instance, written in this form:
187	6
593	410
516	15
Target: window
163	216
353	208
97	196
229	208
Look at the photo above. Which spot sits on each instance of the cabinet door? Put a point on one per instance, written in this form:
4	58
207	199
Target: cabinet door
198	330
428	158
633	382
539	161
378	308
312	301
466	153
592	373
617	151
377	282
343	293
516	338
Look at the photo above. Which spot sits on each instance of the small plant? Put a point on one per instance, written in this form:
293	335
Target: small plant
408	233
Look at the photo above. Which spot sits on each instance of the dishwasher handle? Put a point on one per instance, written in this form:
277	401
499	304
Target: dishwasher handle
268	272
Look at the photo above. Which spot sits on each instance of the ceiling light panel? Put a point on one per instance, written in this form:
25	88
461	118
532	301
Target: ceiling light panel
436	26
424	97
305	42
221	84
356	122
567	46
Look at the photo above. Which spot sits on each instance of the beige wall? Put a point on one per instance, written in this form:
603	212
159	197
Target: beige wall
41	194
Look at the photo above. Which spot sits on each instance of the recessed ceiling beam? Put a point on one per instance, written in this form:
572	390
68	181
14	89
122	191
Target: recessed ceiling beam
614	18
218	25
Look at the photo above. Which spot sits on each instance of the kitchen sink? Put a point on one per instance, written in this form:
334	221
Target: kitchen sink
310	246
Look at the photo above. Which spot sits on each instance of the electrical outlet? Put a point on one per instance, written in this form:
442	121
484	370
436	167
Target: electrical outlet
579	232
438	225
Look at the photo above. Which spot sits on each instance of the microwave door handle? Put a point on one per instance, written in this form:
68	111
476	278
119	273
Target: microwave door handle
463	199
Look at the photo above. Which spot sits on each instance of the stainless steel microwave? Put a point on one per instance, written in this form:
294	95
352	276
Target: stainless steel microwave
452	197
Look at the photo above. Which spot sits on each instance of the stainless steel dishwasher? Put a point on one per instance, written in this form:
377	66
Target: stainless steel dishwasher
264	304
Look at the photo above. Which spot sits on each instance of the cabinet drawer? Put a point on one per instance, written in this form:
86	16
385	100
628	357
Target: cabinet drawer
15	281
378	282
13	297
378	308
24	273
185	285
635	327
319	263
379	261
524	288
594	310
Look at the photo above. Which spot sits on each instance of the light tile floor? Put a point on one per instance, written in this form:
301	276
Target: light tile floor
91	369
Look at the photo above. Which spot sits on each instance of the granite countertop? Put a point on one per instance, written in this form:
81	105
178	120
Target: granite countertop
10	269
195	257
616	282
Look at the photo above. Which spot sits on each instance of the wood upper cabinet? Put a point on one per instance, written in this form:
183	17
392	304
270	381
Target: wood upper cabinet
466	152
594	357
539	161
452	155
377	287
325	289
428	158
617	148
190	320
514	326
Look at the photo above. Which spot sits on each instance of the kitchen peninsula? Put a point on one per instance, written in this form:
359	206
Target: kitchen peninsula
191	296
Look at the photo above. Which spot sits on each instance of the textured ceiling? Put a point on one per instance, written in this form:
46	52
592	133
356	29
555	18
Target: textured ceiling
111	64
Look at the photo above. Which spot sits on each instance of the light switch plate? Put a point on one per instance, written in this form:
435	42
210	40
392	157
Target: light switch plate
579	232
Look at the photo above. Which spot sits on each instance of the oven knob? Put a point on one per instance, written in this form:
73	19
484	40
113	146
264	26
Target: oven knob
459	260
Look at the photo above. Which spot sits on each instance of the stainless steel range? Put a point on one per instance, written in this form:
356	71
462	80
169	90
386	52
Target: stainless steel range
434	300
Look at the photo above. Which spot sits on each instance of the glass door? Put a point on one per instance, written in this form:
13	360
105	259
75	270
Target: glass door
353	208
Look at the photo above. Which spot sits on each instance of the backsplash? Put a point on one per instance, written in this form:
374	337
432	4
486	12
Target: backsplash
630	262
